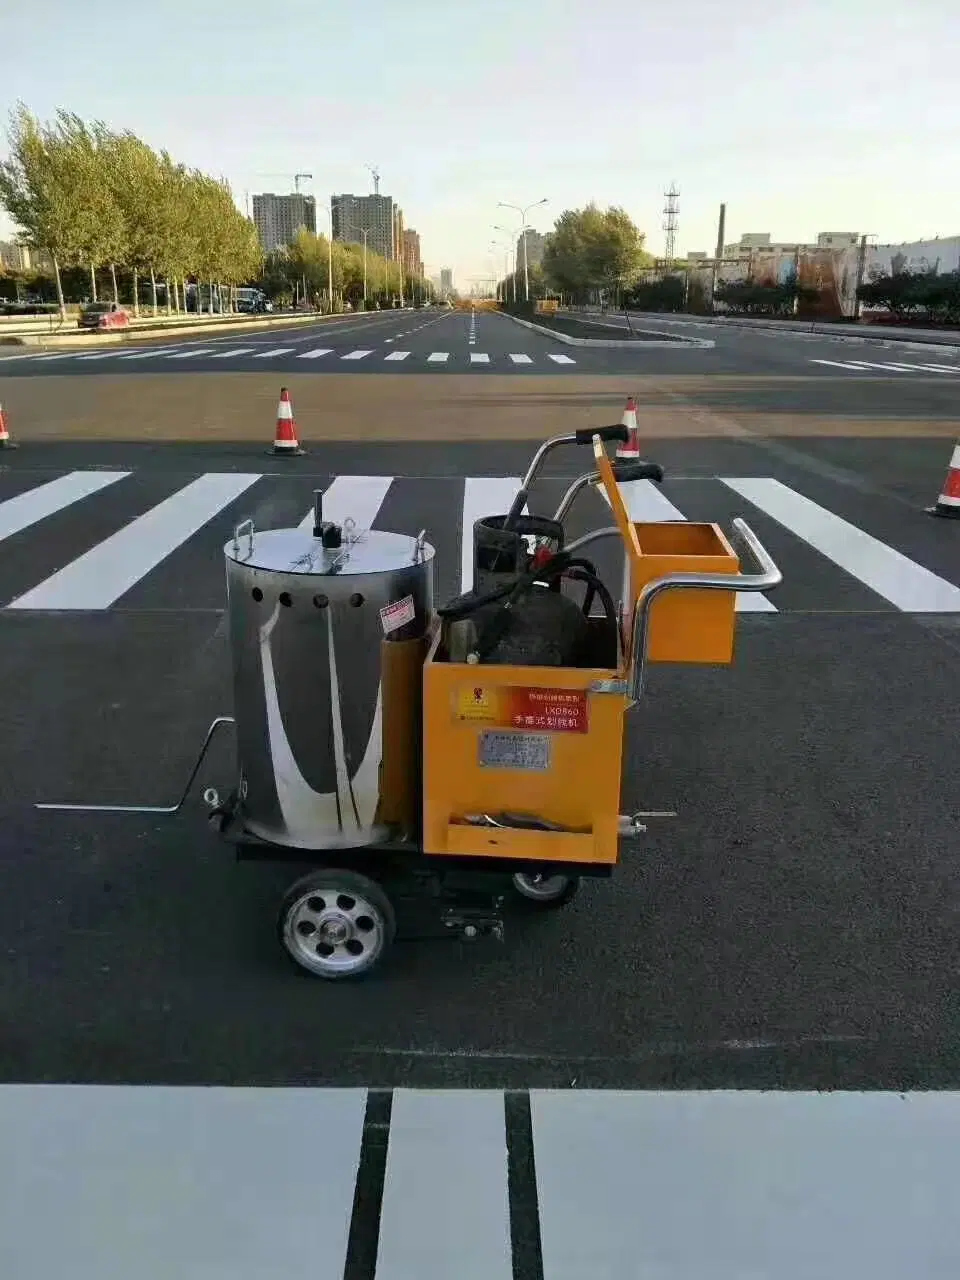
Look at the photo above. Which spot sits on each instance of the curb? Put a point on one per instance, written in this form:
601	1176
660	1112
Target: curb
621	343
139	332
810	330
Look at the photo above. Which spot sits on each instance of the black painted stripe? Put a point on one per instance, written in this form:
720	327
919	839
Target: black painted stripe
364	1238
522	1187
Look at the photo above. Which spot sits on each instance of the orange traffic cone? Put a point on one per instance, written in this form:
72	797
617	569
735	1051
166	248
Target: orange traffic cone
285	440
948	504
630	448
5	441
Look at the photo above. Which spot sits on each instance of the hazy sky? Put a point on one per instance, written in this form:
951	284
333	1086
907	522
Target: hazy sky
806	116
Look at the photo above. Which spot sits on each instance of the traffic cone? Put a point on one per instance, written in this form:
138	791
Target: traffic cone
948	504
285	440
630	448
5	441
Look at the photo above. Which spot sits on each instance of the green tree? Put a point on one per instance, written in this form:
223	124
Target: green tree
592	249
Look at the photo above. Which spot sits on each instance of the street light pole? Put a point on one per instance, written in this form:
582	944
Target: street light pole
523	234
330	255
364	234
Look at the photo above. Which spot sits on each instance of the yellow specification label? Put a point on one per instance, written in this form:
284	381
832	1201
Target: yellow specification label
480	703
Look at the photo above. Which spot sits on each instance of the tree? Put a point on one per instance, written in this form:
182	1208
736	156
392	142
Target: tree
592	249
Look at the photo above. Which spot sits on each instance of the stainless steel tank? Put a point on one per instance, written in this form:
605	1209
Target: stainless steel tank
312	612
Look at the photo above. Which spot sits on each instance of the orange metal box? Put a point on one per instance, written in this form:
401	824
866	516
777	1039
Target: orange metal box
526	740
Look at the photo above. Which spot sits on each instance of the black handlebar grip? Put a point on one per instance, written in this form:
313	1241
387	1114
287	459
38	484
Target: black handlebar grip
617	432
625	471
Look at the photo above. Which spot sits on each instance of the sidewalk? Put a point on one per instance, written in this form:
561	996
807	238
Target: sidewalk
111	1183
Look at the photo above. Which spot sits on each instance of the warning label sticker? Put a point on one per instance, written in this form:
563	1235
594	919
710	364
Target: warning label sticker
540	710
524	751
397	615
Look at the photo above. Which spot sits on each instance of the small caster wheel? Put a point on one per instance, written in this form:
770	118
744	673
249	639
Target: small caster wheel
336	924
546	891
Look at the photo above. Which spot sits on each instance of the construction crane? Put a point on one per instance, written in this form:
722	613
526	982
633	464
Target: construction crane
376	178
297	178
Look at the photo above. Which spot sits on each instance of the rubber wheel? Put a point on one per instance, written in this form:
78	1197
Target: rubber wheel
336	924
545	892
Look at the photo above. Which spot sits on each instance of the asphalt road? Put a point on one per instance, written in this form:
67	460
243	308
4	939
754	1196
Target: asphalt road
486	344
796	925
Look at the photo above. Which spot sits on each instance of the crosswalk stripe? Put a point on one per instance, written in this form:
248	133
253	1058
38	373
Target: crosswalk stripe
887	366
191	353
99	578
62	355
441	1215
482	496
560	358
438	357
315	353
273	351
357	498
145	355
520	358
646	502
102	355
397	355
29	508
356	355
236	351
837	364
479	357
891	575
926	368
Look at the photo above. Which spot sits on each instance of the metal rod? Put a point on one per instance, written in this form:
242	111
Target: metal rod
568	499
594	536
151	808
769	576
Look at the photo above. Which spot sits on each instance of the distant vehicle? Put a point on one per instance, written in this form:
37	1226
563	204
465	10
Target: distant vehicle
103	315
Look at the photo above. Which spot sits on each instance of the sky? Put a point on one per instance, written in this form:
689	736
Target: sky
802	115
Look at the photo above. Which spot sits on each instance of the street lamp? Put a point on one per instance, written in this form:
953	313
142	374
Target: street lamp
364	234
523	211
511	256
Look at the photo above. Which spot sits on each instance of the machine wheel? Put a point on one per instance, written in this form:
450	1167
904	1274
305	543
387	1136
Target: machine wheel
336	924
546	891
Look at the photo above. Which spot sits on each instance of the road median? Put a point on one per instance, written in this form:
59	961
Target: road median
635	344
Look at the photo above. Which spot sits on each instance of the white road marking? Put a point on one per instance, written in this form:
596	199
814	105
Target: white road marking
482	496
236	351
646	503
29	508
192	352
438	357
273	351
559	358
443	1215
838	364
103	355
479	357
145	355
357	498
520	358
891	575
356	355
315	354
397	355
99	578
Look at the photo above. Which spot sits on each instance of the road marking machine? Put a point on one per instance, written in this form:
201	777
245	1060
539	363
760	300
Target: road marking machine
452	758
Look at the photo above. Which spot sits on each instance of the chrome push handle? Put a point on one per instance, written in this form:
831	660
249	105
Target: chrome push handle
766	577
244	527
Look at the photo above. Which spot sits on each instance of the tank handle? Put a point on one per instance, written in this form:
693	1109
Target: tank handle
245	526
419	553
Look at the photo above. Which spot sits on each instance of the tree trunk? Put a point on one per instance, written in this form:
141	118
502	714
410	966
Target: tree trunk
136	293
93	283
59	283
153	289
176	295
113	277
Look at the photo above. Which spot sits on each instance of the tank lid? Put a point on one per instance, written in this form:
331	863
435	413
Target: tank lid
298	551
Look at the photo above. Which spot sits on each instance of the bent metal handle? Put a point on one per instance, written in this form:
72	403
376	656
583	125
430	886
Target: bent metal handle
766	578
584	435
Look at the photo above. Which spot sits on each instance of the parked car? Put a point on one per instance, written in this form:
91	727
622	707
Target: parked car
103	315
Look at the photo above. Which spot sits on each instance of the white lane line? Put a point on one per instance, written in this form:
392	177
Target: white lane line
315	354
62	355
479	357
891	575
356	355
521	359
646	503
99	578
194	351
193	1172
838	364
560	359
28	508
438	357
235	351
397	355
145	355
482	496
273	351
356	498
103	355
443	1216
